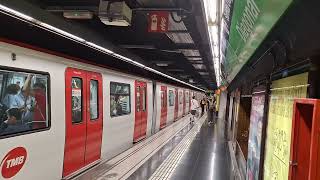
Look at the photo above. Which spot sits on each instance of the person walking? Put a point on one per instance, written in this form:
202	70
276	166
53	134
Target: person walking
193	109
202	104
211	112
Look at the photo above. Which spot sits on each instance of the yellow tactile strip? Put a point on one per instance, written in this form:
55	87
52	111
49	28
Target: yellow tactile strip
168	166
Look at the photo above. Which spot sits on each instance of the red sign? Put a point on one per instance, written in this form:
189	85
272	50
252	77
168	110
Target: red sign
158	21
13	162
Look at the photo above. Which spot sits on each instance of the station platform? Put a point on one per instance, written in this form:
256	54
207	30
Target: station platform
180	151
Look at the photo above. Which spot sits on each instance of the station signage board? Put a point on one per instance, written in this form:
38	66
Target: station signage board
251	22
158	21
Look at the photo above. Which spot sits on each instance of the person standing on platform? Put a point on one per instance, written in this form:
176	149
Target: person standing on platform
193	109
211	112
216	108
207	102
202	104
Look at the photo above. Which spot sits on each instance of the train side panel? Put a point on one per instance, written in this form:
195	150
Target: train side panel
180	101
44	149
150	108
170	102
158	106
118	130
187	101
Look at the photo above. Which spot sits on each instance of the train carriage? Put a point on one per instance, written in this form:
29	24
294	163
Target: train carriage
79	114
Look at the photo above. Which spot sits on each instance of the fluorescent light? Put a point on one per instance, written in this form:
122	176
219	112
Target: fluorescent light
194	58
78	14
62	32
129	60
211	9
31	19
16	13
100	48
162	64
169	77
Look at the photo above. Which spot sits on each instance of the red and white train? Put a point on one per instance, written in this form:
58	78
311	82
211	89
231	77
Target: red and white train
59	116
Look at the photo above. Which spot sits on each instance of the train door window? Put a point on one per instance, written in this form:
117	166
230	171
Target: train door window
94	106
187	97
163	99
76	101
171	98
138	99
119	99
24	109
144	99
180	98
162	96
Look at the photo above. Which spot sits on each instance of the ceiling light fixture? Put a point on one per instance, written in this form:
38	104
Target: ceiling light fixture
100	48
82	41
162	64
78	14
211	13
17	13
59	31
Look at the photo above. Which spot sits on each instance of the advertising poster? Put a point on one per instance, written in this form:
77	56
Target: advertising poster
255	134
278	140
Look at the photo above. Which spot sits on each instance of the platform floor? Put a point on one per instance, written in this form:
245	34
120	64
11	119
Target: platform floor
198	151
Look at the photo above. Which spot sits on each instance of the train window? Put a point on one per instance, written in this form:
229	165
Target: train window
23	102
171	98
187	98
180	98
162	99
94	103
76	101
119	99
1	84
138	99
144	99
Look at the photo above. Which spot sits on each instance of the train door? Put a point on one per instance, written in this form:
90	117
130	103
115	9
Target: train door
176	104
83	119
184	103
140	127
164	109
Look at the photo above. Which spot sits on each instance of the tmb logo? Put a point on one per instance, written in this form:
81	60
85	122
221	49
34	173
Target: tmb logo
13	162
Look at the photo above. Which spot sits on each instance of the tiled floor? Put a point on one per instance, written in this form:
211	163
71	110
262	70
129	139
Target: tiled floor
149	167
180	151
207	158
168	167
201	155
123	165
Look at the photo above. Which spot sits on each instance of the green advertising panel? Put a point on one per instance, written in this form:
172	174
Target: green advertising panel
251	22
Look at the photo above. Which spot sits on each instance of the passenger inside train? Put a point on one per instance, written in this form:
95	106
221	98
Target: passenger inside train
120	99
22	108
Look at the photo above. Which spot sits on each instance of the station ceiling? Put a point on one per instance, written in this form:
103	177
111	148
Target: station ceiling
183	52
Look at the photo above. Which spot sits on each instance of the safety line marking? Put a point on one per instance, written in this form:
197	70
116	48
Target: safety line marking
166	169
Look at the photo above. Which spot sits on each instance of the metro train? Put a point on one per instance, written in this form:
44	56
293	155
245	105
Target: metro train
59	116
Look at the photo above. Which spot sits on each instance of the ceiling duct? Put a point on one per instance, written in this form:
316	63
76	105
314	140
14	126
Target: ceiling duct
115	13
